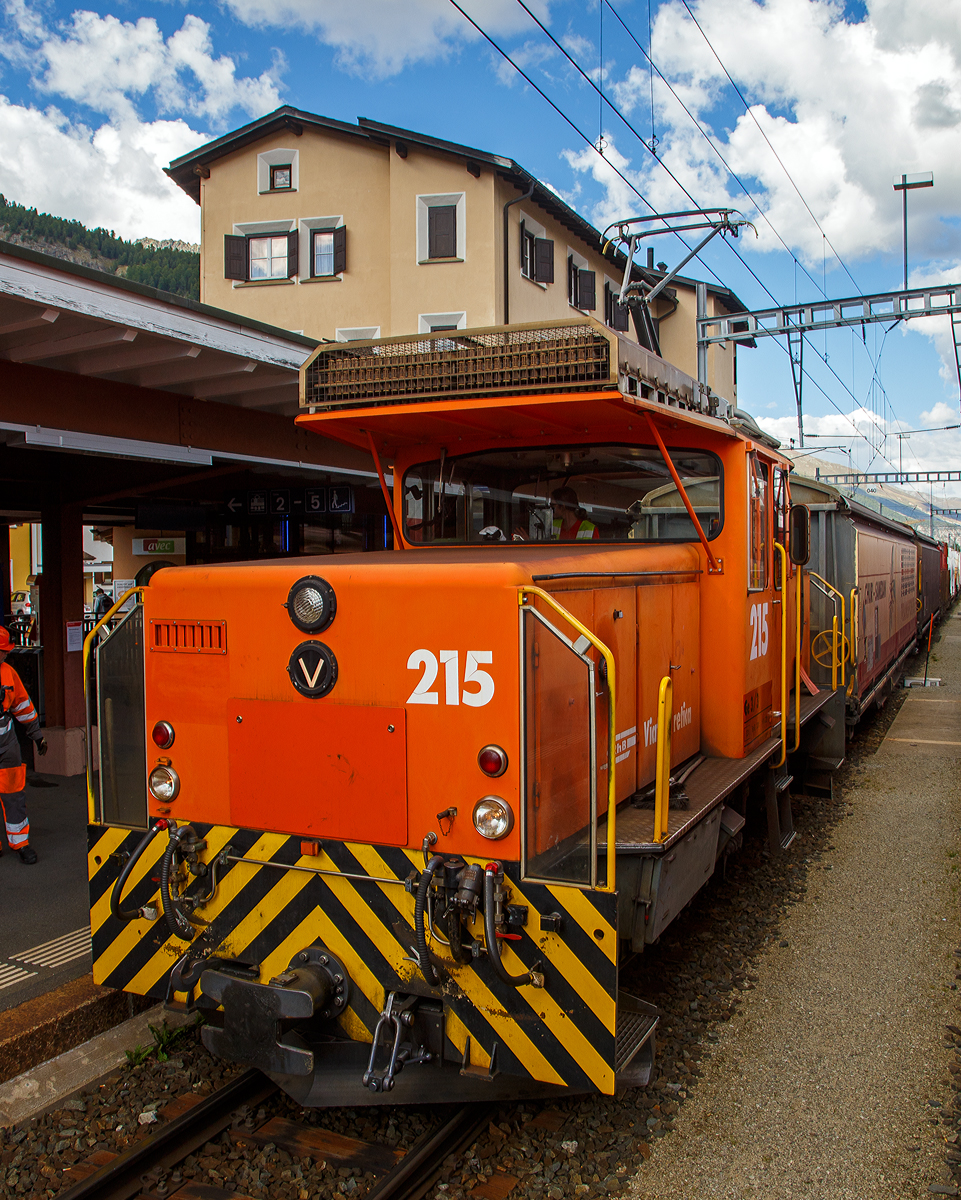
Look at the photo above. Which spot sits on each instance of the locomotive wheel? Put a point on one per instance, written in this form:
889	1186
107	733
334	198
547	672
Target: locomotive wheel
823	656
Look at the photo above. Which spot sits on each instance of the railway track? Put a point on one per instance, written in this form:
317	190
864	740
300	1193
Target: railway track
150	1167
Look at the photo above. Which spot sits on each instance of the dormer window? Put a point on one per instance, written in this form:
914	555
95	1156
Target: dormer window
281	178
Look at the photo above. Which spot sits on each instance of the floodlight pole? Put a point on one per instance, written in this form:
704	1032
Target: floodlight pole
909	183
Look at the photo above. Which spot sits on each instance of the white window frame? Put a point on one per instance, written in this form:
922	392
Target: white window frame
249	229
362	333
277	158
582	265
440	200
426	320
308	226
537	229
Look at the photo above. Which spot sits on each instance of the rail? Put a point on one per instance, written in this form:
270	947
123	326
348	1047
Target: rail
88	643
839	653
782	553
662	776
142	1167
607	655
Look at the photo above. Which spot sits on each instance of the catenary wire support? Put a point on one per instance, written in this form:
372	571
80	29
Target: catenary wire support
795	320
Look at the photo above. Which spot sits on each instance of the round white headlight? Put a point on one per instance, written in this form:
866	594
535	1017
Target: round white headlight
311	604
164	784
493	817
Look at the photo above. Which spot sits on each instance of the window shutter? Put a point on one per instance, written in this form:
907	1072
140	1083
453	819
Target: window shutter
586	290
293	244
621	318
543	260
340	249
442	231
523	247
235	257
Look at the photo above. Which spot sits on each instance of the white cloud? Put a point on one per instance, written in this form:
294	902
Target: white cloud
111	176
108	171
846	104
940	414
381	37
107	64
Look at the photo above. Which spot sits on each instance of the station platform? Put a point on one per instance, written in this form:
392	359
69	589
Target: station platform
44	919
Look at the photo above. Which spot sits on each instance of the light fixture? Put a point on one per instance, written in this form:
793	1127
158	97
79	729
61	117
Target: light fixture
311	604
164	784
163	735
492	761
493	817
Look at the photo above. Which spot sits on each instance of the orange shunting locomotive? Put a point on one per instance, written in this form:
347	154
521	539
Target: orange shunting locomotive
394	822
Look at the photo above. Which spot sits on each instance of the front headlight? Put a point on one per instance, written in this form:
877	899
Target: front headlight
493	817
164	784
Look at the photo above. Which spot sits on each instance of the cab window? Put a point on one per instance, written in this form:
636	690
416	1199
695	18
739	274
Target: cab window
580	494
758	518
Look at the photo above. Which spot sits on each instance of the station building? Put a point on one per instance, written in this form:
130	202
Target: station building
139	428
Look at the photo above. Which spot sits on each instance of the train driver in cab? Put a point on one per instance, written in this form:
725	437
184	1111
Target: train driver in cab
570	522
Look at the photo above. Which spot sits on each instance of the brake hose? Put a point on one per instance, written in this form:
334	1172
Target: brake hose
420	931
177	923
490	933
117	893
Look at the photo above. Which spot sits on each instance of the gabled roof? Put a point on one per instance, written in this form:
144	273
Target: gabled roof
187	170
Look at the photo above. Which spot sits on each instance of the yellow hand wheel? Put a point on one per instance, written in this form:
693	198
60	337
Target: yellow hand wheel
824	655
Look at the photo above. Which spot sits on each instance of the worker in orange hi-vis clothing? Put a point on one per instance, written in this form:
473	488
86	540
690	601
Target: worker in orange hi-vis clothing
13	773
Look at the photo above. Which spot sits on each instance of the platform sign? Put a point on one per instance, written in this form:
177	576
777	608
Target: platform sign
342	499
257	504
235	503
315	500
280	503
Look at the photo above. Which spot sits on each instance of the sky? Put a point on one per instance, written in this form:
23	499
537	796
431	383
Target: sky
797	113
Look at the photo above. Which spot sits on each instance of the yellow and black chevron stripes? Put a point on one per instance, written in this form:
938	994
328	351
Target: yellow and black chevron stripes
264	912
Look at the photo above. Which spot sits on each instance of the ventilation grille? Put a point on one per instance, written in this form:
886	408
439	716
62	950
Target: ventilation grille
485	362
189	637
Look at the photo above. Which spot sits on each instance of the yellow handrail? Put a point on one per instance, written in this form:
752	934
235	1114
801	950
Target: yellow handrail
839	661
662	776
854	628
611	724
783	556
834	653
87	648
799	588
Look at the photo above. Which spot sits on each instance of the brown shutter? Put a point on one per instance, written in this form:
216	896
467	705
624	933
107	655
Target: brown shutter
586	290
524	263
340	249
621	316
293	244
543	260
235	257
442	231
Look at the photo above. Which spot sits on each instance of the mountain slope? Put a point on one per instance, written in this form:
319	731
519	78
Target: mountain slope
169	266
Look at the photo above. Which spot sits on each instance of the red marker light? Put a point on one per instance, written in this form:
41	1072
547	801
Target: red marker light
163	735
492	761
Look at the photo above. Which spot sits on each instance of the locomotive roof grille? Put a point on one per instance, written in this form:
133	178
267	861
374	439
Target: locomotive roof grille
519	359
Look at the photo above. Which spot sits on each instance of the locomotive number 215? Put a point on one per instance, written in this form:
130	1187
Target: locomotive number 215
480	682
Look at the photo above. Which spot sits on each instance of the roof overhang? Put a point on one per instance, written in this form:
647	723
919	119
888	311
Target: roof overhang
66	317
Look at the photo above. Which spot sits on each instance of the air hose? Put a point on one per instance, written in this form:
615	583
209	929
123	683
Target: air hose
177	923
455	935
490	932
117	893
420	931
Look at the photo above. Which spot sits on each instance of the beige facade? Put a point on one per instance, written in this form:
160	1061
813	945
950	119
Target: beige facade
273	193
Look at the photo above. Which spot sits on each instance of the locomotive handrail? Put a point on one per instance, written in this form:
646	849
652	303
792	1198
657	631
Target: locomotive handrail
87	648
529	589
662	770
783	556
798	588
838	659
854	628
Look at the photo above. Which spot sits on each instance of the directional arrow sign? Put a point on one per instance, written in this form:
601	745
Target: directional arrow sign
235	504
